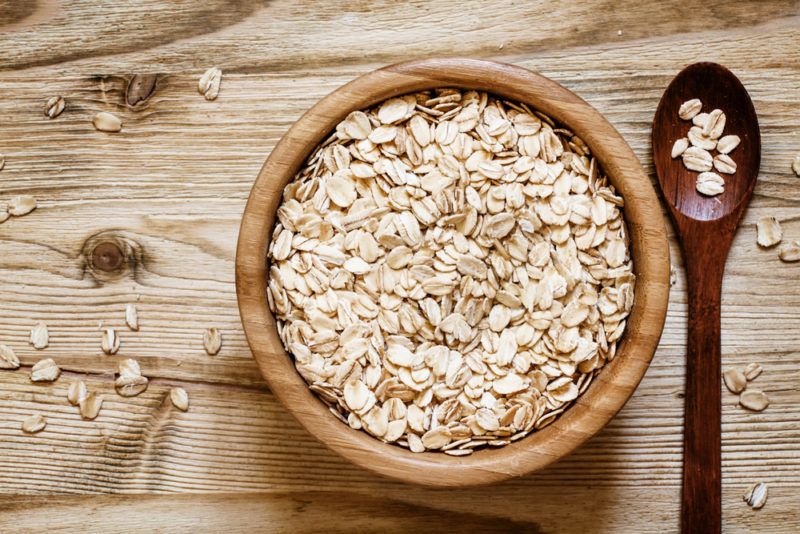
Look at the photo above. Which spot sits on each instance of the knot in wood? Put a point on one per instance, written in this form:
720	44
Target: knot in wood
109	256
140	88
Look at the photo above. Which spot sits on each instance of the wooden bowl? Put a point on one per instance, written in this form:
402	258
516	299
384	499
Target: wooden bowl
610	389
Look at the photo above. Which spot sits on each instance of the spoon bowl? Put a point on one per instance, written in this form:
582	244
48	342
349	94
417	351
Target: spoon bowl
717	88
706	227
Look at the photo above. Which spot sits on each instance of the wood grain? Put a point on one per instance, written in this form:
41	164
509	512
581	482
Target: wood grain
175	181
304	511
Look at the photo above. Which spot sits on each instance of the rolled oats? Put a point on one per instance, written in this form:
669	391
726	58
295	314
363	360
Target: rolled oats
33	424
45	371
130	381
690	108
21	205
697	159
680	146
132	317
90	405
726	144
790	253
107	122
735	380
705	136
179	398
700	140
8	359
54	106
714	125
710	184
77	392
754	400
109	341
769	231
212	340
449	270
209	83
724	164
751	371
701	119
756	495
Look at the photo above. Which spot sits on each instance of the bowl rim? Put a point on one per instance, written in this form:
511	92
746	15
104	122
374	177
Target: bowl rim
612	387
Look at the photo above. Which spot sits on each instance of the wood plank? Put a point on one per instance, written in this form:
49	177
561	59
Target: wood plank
350	511
271	512
283	35
172	186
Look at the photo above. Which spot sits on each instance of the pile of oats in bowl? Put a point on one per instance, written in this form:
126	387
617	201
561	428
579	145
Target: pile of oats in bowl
450	270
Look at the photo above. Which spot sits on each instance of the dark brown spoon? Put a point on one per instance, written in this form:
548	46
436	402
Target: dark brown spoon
706	226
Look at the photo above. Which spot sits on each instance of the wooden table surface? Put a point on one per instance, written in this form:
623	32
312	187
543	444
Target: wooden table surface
170	189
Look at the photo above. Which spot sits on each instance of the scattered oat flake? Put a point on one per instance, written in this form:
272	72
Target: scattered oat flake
2	162
754	400
209	83
179	398
131	386
107	122
132	317
45	371
129	368
769	231
212	340
756	495
110	341
735	380
90	405
40	337
21	205
751	371
77	392
54	106
790	253
8	360
130	381
795	165
33	424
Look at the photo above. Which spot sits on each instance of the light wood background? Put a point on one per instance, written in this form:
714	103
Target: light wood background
172	186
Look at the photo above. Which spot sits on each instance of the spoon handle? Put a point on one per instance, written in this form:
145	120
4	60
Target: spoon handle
701	503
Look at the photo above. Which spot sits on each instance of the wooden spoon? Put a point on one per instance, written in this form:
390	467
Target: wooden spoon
706	226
